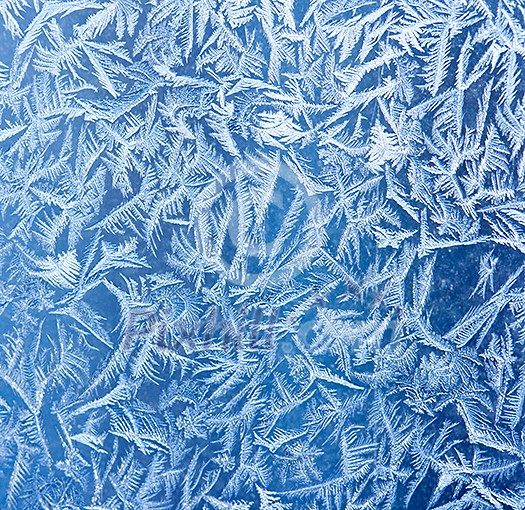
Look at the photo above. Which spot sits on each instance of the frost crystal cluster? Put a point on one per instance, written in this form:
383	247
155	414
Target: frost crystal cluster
262	254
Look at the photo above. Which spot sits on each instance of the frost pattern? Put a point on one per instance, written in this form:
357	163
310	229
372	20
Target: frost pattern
262	254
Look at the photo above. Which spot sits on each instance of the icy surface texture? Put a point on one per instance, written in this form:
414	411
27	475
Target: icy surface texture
262	254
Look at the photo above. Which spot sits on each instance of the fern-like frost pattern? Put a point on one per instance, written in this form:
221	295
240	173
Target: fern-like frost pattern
262	254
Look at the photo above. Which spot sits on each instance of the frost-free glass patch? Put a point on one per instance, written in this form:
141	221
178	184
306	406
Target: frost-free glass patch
262	254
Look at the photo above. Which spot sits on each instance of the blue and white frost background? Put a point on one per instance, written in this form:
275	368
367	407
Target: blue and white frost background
262	254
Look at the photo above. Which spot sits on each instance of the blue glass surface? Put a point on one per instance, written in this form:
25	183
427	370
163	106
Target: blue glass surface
262	254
